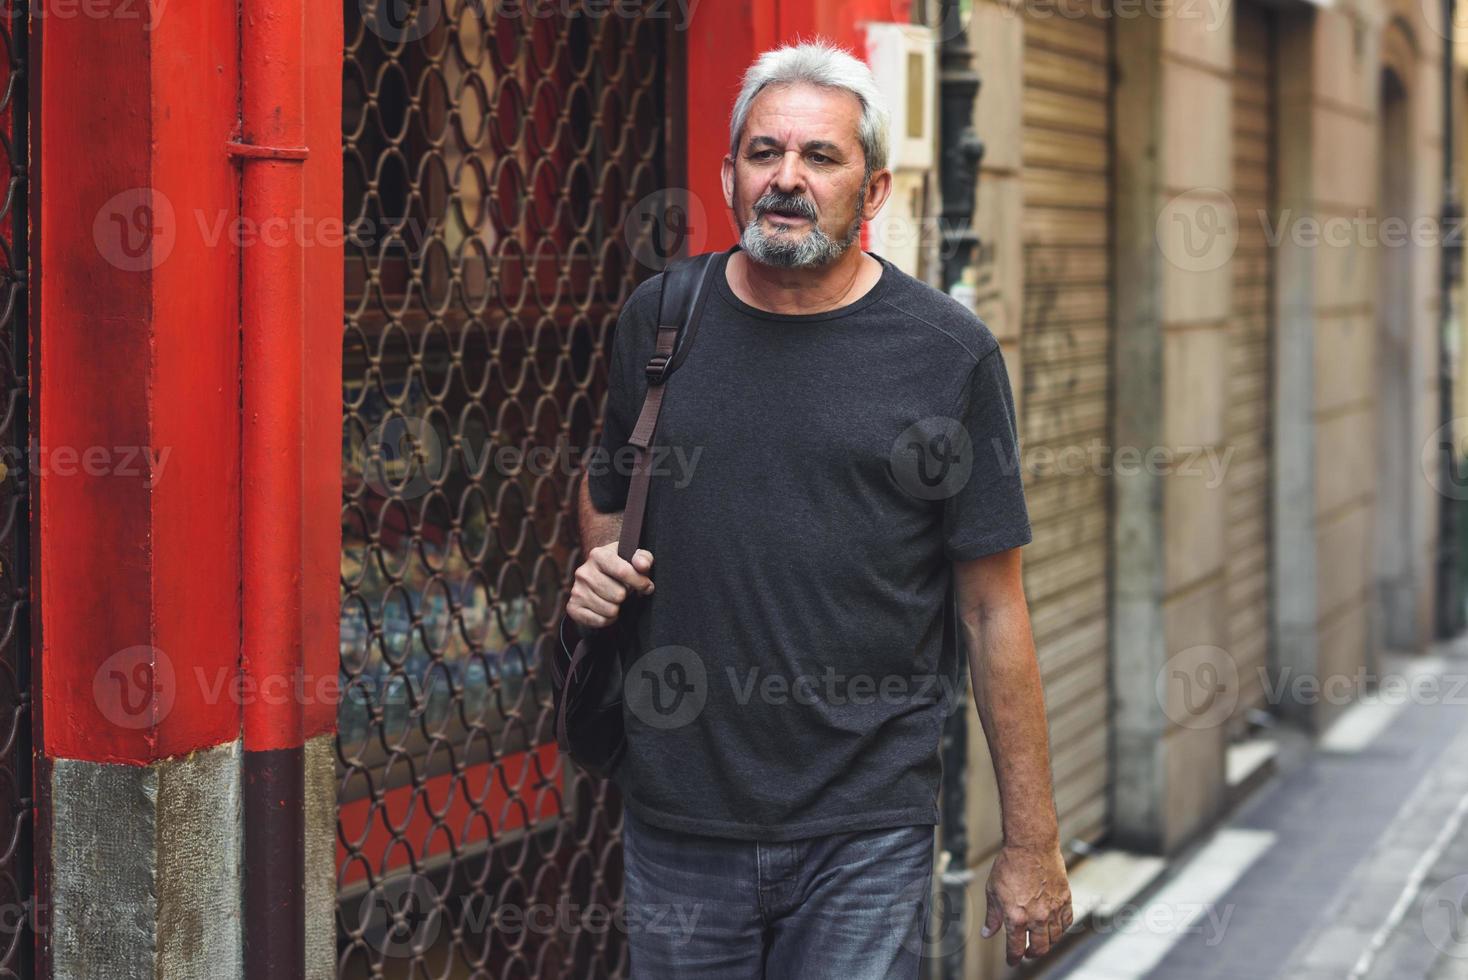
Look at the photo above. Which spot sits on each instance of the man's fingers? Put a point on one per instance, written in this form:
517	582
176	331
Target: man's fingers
586	605
587	601
599	589
1055	930
603	583
1046	933
1015	939
993	918
590	620
610	564
1040	940
641	564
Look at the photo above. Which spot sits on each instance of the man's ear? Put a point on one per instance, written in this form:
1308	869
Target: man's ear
726	175
878	191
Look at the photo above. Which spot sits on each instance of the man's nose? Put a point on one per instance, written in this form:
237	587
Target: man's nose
790	176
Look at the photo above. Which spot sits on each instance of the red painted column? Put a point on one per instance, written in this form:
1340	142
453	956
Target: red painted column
138	353
172	555
136	470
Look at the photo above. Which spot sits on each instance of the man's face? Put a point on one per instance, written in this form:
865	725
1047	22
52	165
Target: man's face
796	184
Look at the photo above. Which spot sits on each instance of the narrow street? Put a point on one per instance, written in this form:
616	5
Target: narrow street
1351	863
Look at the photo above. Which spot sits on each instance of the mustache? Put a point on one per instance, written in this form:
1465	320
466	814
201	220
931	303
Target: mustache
775	201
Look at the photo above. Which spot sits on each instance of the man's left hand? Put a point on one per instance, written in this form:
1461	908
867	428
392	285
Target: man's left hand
1029	895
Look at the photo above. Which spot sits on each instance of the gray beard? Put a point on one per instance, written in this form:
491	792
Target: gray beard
815	249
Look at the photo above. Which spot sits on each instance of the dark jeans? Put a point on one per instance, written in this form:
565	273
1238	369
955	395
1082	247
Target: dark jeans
845	906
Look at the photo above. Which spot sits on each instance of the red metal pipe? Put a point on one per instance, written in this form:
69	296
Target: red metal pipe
273	323
272	332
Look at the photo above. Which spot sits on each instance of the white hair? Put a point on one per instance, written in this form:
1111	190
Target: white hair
825	64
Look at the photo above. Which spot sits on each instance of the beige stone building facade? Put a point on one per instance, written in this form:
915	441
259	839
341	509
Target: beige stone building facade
1227	368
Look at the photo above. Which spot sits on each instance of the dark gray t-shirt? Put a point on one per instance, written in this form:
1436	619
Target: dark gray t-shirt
816	475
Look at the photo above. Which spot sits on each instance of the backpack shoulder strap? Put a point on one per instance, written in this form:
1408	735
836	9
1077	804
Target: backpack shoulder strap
680	306
685	289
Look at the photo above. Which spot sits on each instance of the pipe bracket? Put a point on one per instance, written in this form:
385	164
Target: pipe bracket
254	151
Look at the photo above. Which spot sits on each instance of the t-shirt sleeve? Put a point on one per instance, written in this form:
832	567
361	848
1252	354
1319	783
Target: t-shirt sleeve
608	471
987	512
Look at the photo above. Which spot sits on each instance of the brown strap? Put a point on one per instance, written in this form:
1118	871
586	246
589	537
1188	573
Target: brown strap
683	285
680	305
641	441
563	737
633	513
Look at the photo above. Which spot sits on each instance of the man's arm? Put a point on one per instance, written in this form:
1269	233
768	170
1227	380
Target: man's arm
602	581
1027	889
595	527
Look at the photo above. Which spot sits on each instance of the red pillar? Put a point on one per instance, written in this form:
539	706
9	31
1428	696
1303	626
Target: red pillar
138	349
138	470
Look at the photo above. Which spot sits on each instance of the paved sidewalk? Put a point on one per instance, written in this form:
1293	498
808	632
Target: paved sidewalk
1351	864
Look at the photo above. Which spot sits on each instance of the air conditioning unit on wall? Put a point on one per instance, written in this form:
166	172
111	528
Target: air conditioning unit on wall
902	58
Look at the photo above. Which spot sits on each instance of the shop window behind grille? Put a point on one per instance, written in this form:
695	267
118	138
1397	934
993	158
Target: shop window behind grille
493	153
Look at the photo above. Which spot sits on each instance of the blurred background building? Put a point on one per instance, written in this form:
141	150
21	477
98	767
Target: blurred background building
306	323
1219	231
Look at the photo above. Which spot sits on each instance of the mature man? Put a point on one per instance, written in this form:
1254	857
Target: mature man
848	450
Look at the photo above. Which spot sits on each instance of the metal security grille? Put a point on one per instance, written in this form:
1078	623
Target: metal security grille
494	157
17	883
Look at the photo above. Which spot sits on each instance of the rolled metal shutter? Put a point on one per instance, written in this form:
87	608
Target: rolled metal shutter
1065	345
1247	475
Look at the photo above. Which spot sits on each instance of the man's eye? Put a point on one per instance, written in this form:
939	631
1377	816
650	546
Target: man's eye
820	158
761	154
